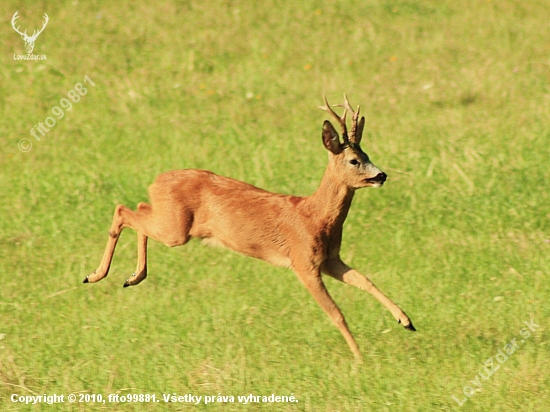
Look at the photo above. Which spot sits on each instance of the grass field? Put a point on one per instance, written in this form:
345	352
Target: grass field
457	99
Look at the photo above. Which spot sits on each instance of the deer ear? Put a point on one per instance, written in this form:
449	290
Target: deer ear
331	139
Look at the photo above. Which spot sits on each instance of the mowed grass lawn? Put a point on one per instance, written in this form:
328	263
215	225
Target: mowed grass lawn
457	99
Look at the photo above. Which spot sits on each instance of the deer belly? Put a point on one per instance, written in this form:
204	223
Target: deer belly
249	249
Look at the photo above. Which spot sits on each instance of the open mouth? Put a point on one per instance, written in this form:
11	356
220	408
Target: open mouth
380	178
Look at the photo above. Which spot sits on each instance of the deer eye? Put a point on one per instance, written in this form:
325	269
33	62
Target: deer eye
354	162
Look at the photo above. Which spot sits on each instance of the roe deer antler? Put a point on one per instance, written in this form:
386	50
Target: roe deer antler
356	131
341	120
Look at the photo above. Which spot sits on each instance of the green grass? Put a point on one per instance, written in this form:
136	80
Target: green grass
457	99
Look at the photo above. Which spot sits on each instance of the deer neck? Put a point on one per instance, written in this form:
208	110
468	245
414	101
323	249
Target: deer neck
332	200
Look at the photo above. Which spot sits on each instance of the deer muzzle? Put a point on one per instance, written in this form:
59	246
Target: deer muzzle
377	180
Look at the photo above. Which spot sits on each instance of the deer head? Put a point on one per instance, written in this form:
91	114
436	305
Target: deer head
353	166
29	40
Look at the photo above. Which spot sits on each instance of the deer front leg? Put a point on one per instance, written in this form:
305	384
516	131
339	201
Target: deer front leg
313	282
339	270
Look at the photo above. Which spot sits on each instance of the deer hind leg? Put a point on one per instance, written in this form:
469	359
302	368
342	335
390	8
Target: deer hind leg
141	223
147	224
342	272
313	282
141	269
114	233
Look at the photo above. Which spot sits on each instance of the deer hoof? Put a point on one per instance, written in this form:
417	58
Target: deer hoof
410	327
86	280
127	283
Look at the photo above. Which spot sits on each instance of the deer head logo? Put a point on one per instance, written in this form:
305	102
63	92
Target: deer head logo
29	40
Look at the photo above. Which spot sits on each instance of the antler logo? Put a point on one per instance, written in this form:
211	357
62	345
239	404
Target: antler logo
29	40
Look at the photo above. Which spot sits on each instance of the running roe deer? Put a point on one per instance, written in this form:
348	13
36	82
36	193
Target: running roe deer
302	233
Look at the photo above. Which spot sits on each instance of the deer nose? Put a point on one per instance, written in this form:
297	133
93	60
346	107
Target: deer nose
381	177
